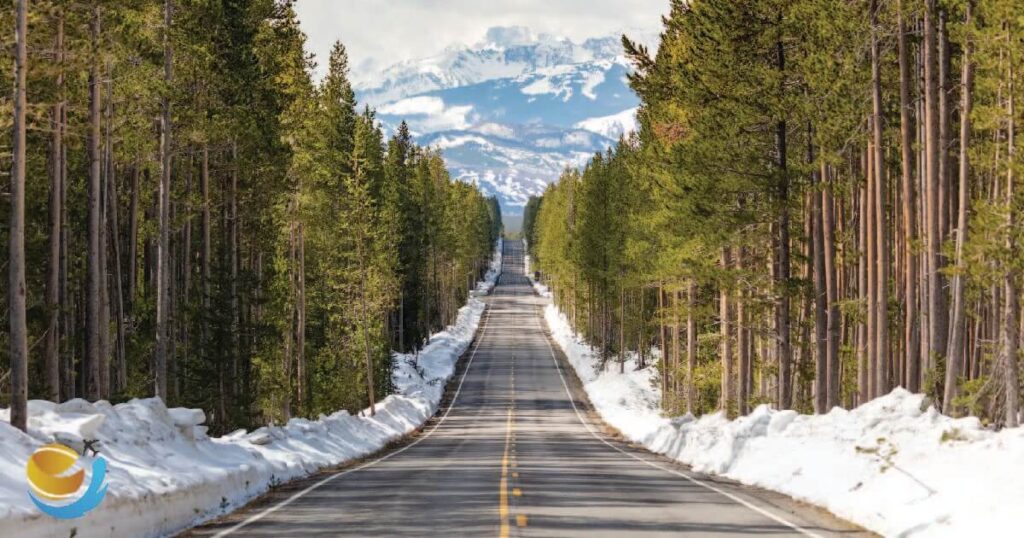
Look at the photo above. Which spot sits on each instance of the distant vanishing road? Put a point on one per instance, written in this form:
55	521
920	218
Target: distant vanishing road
517	452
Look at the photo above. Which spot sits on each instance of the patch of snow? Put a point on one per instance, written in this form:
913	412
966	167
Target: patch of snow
894	465
612	126
591	81
166	475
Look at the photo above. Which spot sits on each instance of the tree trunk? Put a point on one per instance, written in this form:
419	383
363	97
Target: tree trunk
785	348
911	334
743	339
163	282
236	312
691	344
16	260
882	258
51	351
863	295
821	306
133	238
301	328
1011	336
956	341
832	358
661	346
936	298
725	324
94	283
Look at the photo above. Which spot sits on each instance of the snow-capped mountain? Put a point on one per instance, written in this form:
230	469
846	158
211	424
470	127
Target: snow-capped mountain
513	111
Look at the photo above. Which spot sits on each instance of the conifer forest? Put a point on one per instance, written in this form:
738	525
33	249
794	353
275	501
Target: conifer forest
822	203
188	214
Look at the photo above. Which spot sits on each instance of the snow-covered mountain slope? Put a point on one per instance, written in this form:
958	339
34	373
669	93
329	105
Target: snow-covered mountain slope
512	112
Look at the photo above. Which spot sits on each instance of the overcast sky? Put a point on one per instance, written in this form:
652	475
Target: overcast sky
379	33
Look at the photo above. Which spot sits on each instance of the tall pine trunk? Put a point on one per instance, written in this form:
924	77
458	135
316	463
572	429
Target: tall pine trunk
821	400
785	348
1011	329
163	278
959	323
725	324
832	359
51	350
936	296
911	334
16	260
93	293
882	259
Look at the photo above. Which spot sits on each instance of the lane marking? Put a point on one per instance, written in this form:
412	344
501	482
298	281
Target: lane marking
252	519
521	520
503	487
676	472
516	492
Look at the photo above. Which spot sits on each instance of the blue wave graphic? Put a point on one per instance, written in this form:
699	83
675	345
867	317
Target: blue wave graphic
89	500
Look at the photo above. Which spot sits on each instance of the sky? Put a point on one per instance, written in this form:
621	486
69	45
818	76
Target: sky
379	33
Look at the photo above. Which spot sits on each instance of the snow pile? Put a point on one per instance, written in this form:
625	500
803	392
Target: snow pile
485	286
894	465
165	474
613	126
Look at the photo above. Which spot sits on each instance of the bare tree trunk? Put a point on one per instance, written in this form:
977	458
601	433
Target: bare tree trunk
51	352
133	238
832	358
911	335
936	299
785	348
944	127
725	324
821	306
956	341
1011	337
691	344
872	269
863	294
163	282
743	339
236	312
94	283
16	261
661	346
301	328
882	259
67	371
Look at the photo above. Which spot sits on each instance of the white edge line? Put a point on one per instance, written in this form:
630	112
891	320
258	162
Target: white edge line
739	500
485	317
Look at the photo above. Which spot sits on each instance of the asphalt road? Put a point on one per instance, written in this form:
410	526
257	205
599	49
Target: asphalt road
517	452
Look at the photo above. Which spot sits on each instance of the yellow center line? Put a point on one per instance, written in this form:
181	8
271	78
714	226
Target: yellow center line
503	488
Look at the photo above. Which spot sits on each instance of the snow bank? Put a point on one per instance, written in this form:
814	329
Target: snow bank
894	465
165	474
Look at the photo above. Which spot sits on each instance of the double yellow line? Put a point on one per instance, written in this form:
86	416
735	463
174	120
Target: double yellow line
503	491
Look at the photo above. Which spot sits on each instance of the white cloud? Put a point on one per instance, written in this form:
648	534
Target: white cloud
379	33
414	106
428	114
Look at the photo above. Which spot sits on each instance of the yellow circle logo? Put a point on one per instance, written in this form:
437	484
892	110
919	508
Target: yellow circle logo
52	472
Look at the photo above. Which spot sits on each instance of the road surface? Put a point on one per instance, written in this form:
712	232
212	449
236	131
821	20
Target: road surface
516	452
